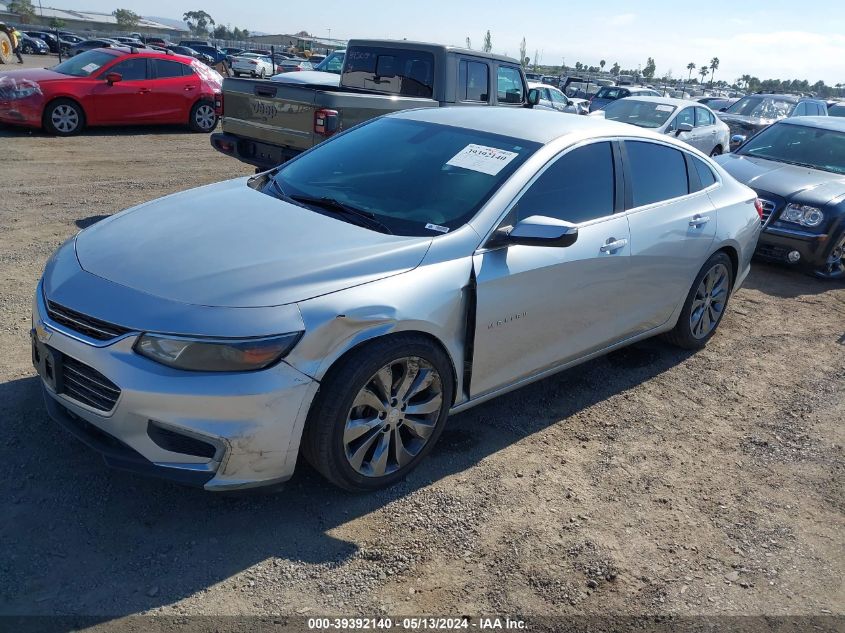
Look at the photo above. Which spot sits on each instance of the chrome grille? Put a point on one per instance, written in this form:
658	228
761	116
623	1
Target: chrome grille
768	210
84	324
88	386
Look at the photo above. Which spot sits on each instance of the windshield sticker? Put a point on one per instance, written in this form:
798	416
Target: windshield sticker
487	160
437	227
90	68
665	108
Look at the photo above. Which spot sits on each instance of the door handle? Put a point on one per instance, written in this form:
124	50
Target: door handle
699	220
190	87
144	91
613	245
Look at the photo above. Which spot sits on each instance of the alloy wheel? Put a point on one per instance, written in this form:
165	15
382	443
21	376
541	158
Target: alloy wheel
205	117
834	267
709	302
393	417
64	118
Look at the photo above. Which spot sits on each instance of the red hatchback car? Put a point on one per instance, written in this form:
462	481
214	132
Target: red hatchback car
112	86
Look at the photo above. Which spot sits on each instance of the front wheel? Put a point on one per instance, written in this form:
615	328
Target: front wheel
705	304
379	412
203	117
63	117
834	267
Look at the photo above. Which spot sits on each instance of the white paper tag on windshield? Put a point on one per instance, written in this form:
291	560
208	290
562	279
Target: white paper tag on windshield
90	68
437	227
487	160
664	108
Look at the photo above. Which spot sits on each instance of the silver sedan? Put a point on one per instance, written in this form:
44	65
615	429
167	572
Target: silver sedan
552	98
693	123
340	306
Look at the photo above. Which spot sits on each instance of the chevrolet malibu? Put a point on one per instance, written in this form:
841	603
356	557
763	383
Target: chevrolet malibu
342	305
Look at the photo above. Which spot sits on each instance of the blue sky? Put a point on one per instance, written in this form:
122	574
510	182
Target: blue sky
774	38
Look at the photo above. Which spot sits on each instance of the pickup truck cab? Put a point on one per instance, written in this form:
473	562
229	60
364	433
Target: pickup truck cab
267	122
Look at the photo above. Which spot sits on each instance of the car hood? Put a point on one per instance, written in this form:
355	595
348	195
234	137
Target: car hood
789	181
229	245
31	74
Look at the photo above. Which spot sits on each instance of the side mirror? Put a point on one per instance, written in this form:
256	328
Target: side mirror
113	78
533	97
683	127
537	230
737	140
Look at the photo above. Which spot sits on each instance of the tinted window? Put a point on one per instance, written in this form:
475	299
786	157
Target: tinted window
164	68
609	93
473	82
187	70
417	178
510	85
703	117
401	72
705	174
837	110
134	69
657	172
577	187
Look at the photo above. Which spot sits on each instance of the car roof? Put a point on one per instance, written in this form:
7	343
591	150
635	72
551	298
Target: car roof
121	51
537	84
681	103
836	124
540	126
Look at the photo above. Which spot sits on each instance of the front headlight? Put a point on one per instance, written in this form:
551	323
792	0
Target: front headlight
195	354
802	214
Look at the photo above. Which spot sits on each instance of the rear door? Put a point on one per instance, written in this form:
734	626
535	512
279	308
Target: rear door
672	231
129	100
175	88
538	306
706	131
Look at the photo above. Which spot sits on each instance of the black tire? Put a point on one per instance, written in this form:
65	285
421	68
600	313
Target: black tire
199	120
54	128
717	151
322	440
682	335
834	268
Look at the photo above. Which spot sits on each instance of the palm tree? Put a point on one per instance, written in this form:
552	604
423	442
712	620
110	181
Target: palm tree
703	70
602	64
690	68
746	80
714	65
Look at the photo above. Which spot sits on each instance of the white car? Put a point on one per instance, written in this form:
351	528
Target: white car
553	99
252	64
692	123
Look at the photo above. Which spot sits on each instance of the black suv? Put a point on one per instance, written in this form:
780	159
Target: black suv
755	112
797	168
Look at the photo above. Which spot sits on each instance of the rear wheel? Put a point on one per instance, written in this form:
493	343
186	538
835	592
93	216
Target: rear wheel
203	117
379	412
63	117
705	305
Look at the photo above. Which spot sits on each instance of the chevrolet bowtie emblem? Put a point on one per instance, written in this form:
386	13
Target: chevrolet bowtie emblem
42	332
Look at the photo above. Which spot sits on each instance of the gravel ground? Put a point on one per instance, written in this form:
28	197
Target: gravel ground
652	481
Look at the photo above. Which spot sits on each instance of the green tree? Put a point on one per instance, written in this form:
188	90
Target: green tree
690	68
650	67
222	32
126	19
536	57
602	64
56	23
714	65
488	42
615	69
23	8
198	21
522	52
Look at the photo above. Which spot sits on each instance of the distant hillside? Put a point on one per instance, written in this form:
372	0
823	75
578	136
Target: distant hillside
178	24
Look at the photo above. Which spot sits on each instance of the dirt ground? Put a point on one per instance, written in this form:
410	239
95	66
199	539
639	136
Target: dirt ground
651	481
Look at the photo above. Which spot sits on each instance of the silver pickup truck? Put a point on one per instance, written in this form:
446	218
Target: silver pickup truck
266	122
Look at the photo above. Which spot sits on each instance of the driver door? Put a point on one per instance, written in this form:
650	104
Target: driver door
127	101
540	306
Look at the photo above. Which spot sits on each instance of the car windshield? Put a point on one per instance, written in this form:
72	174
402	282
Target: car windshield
415	178
639	113
762	107
609	92
84	64
799	145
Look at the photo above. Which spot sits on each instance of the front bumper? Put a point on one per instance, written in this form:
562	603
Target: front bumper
25	112
776	243
253	420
